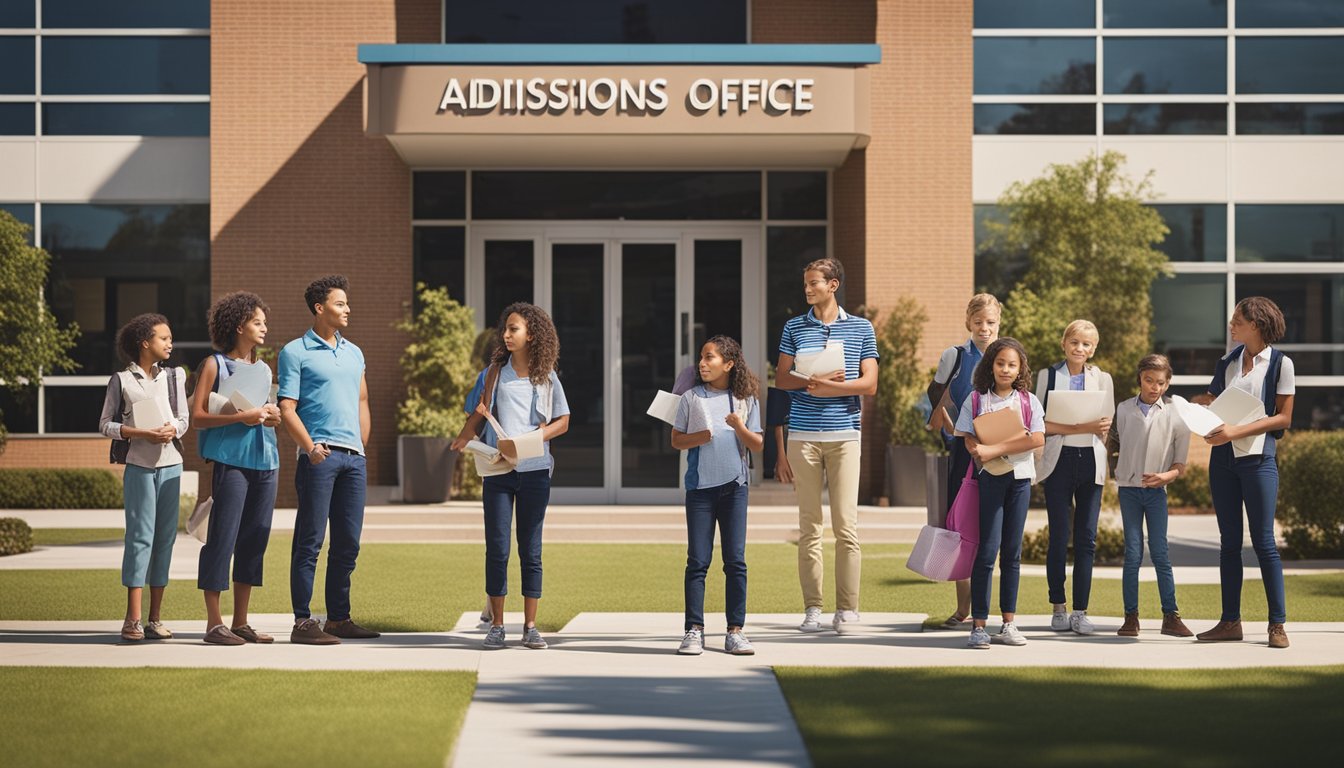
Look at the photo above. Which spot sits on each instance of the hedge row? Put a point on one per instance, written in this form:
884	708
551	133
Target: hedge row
59	489
1311	494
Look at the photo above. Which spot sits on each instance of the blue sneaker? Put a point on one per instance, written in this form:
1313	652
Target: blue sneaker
979	638
494	639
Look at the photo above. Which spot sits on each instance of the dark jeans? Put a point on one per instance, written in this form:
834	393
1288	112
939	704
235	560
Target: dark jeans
1003	516
725	506
240	526
1253	481
334	492
530	492
1072	500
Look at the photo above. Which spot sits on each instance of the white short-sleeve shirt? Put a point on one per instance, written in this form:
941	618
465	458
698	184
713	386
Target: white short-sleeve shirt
1254	382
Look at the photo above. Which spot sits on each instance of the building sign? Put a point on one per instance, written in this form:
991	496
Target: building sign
624	96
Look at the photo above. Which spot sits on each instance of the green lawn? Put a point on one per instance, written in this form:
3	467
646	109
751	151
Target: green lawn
55	537
59	716
425	587
1066	716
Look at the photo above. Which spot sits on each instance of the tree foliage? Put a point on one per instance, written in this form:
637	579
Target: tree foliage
1089	240
436	365
901	380
32	343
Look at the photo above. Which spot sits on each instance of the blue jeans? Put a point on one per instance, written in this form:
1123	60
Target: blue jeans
151	498
529	492
1072	501
1136	506
240	526
1003	517
726	506
1254	482
331	492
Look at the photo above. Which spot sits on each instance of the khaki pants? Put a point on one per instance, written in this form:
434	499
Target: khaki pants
835	464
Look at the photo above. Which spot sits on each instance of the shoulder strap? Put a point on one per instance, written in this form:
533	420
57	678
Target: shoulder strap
1049	385
491	379
956	366
975	403
1269	392
172	390
1219	382
1025	401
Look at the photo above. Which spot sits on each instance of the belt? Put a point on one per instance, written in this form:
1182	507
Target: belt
341	449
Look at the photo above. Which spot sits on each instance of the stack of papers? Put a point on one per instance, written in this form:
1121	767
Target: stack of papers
822	363
1072	406
476	446
1235	406
148	414
664	407
528	444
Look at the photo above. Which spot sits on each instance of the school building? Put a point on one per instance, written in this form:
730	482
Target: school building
651	172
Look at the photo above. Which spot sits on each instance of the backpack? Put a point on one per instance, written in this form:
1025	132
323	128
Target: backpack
117	452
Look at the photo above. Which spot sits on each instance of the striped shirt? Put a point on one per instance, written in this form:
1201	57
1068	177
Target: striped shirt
827	419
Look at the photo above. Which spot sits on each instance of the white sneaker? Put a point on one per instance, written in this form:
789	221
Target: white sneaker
811	619
844	621
1008	635
979	638
1059	621
693	644
737	644
1080	624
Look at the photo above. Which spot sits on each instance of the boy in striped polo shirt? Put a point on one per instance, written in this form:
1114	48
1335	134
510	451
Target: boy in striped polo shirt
824	423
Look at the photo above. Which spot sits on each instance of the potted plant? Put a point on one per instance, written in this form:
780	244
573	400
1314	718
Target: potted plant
901	382
438	373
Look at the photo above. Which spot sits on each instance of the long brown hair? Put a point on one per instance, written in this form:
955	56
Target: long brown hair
983	377
542	351
741	381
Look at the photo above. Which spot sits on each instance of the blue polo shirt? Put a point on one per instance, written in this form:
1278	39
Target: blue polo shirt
825	419
325	381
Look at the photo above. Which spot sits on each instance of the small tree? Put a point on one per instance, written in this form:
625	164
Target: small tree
901	380
32	343
436	365
1089	241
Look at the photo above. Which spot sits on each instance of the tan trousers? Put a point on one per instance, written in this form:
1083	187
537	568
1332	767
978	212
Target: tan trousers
833	464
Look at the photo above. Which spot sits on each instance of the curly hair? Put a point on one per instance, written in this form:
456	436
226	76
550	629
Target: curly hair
318	290
1265	315
543	351
983	377
134	333
741	381
230	312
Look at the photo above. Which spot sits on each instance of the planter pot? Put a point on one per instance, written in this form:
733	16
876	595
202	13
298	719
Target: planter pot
425	468
905	475
936	467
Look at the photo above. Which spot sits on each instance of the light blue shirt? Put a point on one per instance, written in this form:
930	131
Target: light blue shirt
239	445
325	381
517	408
723	459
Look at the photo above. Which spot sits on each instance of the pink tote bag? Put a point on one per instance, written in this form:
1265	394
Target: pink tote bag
964	519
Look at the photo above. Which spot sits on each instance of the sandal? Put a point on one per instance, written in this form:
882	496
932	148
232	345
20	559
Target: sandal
954	621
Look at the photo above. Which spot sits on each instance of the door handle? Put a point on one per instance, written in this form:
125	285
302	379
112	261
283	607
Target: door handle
685	333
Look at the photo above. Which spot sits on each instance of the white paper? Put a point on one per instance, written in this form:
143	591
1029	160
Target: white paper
698	419
476	446
1070	407
1235	406
217	404
529	445
239	401
251	382
664	407
821	363
148	414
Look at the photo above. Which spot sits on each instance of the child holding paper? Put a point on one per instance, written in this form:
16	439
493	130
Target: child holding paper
241	445
1001	381
1251	480
718	422
145	414
1073	468
528	404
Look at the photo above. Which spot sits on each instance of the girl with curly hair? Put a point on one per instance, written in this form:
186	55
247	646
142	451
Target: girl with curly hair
521	390
718	422
241	446
152	454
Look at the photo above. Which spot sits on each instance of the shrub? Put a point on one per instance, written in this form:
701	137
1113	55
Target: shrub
1311	486
59	489
15	536
1191	489
467	486
901	380
185	506
436	365
1110	546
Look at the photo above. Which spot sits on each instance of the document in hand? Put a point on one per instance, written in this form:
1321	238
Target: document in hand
664	407
698	420
821	363
1235	406
1067	406
148	414
476	446
247	387
529	444
998	427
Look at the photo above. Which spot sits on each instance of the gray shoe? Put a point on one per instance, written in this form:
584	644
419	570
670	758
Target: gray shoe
155	630
693	644
494	639
979	638
737	644
532	639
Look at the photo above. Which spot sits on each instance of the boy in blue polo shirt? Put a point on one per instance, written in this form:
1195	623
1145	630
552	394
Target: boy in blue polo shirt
824	423
324	405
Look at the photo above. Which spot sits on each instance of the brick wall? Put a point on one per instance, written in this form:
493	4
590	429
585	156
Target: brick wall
56	453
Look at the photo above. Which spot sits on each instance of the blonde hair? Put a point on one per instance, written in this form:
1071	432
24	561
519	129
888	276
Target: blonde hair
1079	328
981	302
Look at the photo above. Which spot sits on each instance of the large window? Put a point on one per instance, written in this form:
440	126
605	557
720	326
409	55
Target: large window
1290	233
1166	65
17	65
1039	14
1157	14
1290	65
1290	13
635	196
1056	119
595	21
136	14
1036	65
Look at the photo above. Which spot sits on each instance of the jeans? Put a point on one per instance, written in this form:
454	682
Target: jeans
726	506
1003	517
331	492
835	466
1136	506
151	498
1253	481
529	492
240	526
1072	500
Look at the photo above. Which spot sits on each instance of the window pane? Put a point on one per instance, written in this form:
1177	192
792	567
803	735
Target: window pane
1166	65
440	260
96	14
579	304
1035	65
1054	119
996	271
1034	14
648	362
508	276
126	65
718	292
787	251
17	119
595	21
439	194
23	212
797	195
1302	118
1185	119
1198	232
1190	321
1165	14
1290	233
643	196
1318	407
1313	309
19	14
77	409
111	262
60	119
1290	13
20	410
1290	65
18	66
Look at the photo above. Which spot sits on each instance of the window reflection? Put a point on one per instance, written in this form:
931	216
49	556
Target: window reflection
1290	233
17	119
1290	65
439	195
796	195
1187	119
1047	65
121	65
1034	14
595	21
997	270
1190	320
102	14
787	251
1313	308
1198	231
508	276
18	15
1290	13
62	119
17	66
1042	119
1164	14
1166	65
439	261
1290	119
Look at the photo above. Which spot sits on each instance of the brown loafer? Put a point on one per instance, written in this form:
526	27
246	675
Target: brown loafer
1278	638
251	635
1131	626
1223	631
309	632
1172	625
220	635
349	630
